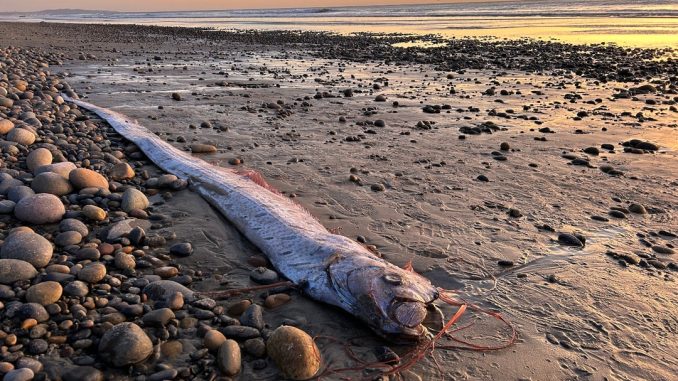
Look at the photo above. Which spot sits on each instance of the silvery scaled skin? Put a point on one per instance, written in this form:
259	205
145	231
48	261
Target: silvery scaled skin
328	267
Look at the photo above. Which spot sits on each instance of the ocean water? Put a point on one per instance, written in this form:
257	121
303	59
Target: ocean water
636	23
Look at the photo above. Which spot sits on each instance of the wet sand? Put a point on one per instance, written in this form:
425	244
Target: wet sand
581	312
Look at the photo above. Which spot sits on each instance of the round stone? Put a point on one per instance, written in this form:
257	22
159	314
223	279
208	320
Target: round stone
263	275
162	290
33	311
52	183
23	374
294	352
124	261
68	238
133	199
94	213
18	193
44	293
86	178
39	209
228	358
92	273
21	136
76	288
158	318
13	270
7	206
276	300
181	249
83	373
125	344
5	126
203	148
637	208
121	171
71	224
27	246
38	158
213	340
63	169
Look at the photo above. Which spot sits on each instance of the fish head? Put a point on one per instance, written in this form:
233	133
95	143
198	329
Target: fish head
391	300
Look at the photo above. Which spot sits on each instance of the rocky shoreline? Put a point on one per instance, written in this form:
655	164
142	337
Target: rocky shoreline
97	280
81	268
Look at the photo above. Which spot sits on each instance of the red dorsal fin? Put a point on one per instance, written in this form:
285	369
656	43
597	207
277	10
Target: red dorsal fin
408	266
258	179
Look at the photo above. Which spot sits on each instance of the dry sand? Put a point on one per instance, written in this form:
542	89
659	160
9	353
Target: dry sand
580	314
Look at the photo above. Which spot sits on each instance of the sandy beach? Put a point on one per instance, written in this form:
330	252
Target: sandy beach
535	179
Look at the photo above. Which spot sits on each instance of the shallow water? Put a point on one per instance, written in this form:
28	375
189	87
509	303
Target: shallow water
645	23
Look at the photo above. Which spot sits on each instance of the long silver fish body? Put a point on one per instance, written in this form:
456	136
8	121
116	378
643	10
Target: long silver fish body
328	267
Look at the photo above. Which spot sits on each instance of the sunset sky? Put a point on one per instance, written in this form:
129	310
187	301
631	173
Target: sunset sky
172	5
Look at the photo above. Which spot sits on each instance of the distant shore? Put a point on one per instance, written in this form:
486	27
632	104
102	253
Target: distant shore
535	179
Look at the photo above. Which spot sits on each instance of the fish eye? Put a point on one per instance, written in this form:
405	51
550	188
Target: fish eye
393	279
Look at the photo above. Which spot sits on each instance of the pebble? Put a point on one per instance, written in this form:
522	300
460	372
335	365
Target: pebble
7	206
21	136
568	239
124	261
83	373
63	169
276	300
240	332
82	178
158	318
44	293
294	352
183	249
228	358
256	347
18	193
617	214
253	317
33	311
52	183
203	148
71	224
238	308
637	209
662	249
92	273
68	238
121	171
23	374
6	126
38	158
125	344
27	246
76	288
162	290
263	275
133	199
40	209
213	340
94	213
12	270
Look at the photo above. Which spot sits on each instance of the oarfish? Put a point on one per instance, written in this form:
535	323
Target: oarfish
327	267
